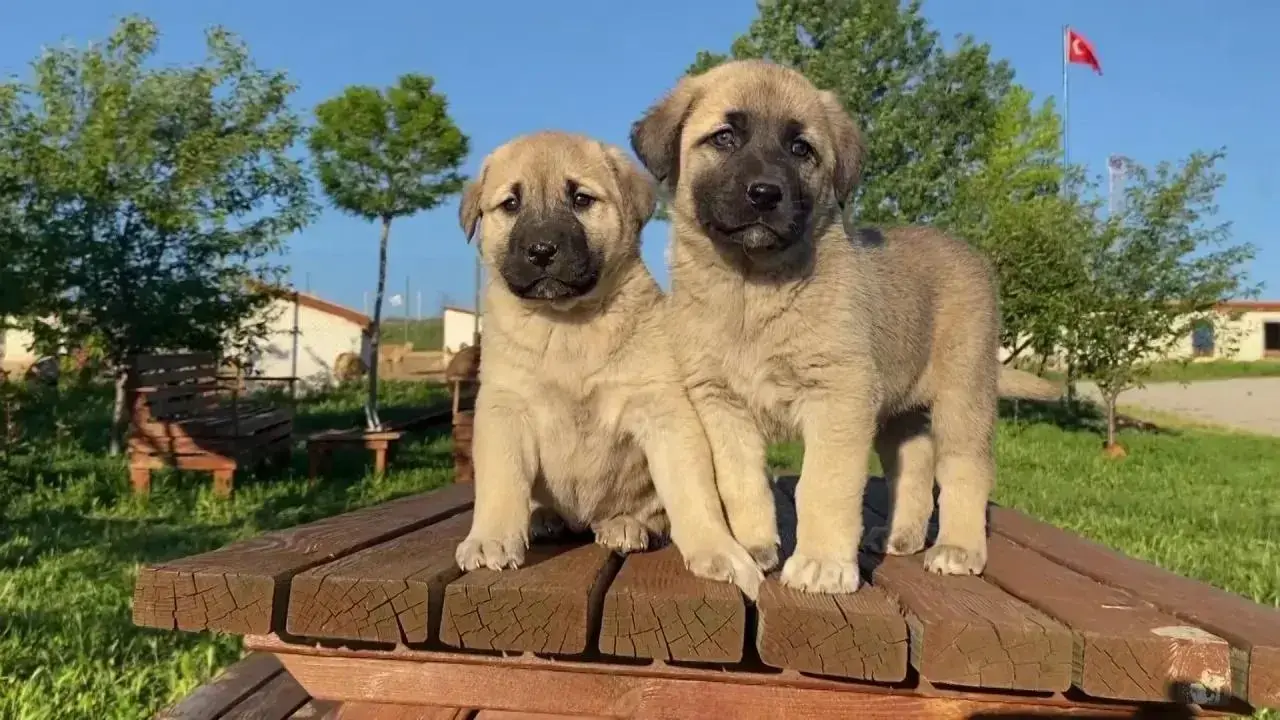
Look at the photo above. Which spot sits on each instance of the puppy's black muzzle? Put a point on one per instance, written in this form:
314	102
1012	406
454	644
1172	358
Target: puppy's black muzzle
549	258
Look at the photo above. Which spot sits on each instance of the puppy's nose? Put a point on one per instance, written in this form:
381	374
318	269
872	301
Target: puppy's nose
541	253
764	195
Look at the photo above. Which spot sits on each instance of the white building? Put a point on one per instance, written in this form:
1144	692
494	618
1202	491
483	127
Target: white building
306	336
460	326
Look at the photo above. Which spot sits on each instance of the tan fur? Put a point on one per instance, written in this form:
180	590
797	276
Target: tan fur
581	414
869	339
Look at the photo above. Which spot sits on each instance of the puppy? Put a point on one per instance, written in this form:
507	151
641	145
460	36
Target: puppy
581	412
786	322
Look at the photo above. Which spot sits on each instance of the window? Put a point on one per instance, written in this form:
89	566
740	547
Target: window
1271	339
1202	339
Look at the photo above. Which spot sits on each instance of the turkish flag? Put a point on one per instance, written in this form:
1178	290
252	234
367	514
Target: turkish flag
1080	50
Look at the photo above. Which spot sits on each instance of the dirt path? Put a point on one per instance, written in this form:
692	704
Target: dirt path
1246	403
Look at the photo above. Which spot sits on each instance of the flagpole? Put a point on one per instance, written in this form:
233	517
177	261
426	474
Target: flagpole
1066	109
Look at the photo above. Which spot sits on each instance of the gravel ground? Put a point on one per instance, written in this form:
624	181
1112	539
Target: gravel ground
1246	403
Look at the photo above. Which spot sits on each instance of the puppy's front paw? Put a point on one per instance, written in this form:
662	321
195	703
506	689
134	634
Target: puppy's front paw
729	562
765	556
820	575
623	534
955	560
492	553
882	541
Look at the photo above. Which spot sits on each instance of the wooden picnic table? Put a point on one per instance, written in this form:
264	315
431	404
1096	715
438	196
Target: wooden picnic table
368	611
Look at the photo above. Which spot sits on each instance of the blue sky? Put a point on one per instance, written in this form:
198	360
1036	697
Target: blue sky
1179	75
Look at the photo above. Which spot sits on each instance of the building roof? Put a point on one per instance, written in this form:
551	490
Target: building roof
1250	306
332	308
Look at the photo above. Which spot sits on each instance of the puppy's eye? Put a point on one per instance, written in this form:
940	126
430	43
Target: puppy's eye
511	204
800	148
582	200
724	139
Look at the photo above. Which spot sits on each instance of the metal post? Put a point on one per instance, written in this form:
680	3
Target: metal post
1066	109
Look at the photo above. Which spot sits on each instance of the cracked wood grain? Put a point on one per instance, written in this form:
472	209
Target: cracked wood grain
550	605
1125	649
655	608
242	588
1252	629
965	631
390	593
859	635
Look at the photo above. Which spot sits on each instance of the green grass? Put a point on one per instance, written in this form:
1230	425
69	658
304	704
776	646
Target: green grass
425	334
72	538
1176	371
1201	503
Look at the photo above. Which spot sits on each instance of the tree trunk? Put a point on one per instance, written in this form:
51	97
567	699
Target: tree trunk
119	413
371	407
1111	419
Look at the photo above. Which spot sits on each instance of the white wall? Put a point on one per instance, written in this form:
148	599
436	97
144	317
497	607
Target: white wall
322	337
15	349
459	328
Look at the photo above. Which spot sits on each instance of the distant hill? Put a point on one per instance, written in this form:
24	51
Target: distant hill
425	334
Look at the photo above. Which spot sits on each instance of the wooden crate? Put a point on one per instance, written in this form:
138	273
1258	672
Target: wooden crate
369	607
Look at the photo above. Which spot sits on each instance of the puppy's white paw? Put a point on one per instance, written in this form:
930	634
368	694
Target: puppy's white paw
955	560
820	575
545	524
882	541
727	562
492	553
623	534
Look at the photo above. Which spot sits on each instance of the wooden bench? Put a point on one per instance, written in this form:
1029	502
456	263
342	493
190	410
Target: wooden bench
369	607
185	414
381	443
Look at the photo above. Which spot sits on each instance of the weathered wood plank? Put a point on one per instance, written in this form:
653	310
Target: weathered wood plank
551	605
861	635
655	608
211	700
678	693
967	632
276	700
1252	628
240	588
383	711
168	361
317	710
391	593
1125	649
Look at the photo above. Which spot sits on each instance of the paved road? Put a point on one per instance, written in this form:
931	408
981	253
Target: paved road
1246	403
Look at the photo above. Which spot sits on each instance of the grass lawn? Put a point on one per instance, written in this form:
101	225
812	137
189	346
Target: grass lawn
425	334
1202	503
1173	371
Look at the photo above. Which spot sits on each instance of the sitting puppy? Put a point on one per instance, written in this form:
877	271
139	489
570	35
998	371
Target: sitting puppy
581	414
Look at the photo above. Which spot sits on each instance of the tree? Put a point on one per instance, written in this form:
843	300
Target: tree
1013	208
923	110
384	155
167	193
1156	270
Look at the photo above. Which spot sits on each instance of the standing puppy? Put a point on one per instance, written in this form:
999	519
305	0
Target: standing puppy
581	410
785	321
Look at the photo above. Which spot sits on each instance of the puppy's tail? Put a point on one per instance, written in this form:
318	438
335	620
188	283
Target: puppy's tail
1021	384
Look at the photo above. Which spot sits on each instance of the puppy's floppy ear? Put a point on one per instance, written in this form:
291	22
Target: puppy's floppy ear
469	209
639	196
847	142
655	137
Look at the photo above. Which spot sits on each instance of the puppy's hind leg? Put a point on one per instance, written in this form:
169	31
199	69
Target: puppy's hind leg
964	420
905	447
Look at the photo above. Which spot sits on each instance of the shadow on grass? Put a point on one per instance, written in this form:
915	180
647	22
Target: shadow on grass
1077	416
